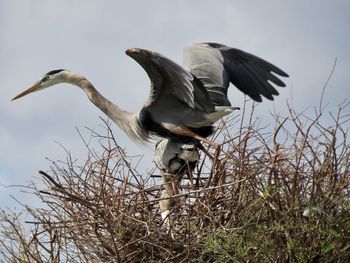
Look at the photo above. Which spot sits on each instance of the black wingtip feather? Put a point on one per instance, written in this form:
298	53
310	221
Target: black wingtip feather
256	97
280	72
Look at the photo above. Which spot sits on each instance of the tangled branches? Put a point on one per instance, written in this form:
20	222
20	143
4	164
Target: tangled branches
280	195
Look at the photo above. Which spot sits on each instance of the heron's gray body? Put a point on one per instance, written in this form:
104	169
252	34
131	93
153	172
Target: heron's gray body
162	126
187	101
195	95
184	101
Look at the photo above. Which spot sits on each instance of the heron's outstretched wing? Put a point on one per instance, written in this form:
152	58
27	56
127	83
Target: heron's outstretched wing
170	80
217	65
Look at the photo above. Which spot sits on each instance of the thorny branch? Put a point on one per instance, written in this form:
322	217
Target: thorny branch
284	198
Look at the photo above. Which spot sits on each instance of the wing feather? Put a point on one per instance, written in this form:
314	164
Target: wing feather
217	66
166	76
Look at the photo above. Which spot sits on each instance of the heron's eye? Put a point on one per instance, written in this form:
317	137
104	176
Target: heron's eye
45	78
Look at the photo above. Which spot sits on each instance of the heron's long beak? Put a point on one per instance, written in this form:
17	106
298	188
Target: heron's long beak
33	88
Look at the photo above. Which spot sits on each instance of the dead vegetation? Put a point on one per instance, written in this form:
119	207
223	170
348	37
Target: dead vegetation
282	194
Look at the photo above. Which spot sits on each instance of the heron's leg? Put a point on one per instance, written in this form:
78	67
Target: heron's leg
217	173
216	164
183	131
202	148
167	204
175	186
168	182
189	174
165	211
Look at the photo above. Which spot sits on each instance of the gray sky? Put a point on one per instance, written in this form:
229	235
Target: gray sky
90	37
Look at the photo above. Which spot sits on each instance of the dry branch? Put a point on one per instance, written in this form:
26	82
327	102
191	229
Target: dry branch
284	197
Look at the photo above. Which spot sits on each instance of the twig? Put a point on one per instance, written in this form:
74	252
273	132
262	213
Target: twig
195	191
327	81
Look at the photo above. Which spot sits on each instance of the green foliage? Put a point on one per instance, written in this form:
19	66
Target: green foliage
220	247
120	233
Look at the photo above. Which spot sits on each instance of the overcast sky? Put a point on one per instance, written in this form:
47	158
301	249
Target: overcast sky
301	37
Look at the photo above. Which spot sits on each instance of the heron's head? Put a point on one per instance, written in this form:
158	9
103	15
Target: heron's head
51	78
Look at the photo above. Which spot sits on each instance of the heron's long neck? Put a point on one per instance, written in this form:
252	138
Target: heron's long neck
126	121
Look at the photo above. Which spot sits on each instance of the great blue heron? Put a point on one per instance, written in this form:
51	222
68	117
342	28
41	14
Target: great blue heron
173	159
184	102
